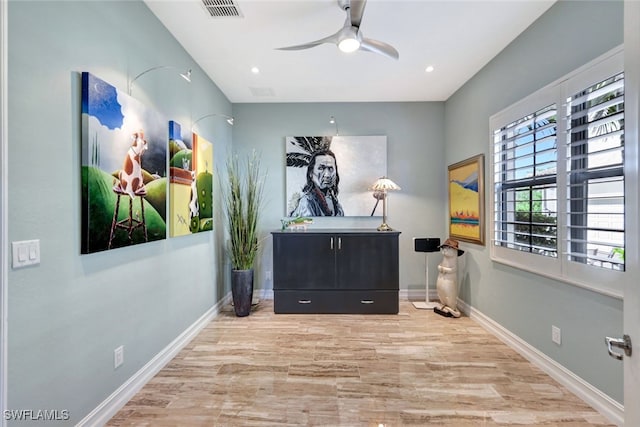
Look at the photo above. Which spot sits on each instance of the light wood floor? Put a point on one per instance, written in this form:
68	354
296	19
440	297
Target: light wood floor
414	368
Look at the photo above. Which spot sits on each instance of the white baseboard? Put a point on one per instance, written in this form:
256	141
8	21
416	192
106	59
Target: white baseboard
111	405
605	405
417	294
403	294
264	293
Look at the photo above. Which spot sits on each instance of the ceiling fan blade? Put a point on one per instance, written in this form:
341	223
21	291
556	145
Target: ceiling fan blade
350	36
356	10
330	39
382	48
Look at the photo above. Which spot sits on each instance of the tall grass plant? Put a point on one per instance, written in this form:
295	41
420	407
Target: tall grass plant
243	198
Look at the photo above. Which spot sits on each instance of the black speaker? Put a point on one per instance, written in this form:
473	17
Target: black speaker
428	244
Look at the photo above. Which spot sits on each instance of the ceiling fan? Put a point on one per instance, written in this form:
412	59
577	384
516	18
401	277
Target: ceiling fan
349	38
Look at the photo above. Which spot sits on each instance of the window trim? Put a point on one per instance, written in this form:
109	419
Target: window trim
606	282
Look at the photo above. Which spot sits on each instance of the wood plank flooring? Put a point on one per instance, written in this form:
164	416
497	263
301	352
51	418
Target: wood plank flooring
414	368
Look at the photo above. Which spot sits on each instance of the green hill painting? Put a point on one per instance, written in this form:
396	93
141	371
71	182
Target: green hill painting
124	173
190	182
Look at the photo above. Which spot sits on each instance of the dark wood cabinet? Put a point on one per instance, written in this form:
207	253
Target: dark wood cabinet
335	271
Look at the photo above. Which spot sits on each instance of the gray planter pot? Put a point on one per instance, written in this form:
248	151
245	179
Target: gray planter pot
242	291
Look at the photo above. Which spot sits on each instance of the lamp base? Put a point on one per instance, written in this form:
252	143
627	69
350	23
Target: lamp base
424	305
384	227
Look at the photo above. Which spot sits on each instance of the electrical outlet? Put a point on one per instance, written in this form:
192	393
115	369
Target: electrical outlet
267	275
556	335
118	357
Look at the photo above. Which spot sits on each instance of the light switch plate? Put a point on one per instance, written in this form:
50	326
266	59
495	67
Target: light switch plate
25	253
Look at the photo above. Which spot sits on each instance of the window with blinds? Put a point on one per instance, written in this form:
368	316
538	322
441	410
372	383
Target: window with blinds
595	175
525	196
558	179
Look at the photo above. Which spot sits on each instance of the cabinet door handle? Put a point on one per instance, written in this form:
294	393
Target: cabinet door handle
332	243
304	301
367	301
339	243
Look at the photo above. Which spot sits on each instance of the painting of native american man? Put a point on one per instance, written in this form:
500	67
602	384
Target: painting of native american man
331	175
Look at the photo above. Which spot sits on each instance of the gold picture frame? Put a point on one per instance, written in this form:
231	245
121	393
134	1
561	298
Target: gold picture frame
466	200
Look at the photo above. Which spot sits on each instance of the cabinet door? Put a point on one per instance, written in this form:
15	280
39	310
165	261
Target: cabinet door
367	262
304	261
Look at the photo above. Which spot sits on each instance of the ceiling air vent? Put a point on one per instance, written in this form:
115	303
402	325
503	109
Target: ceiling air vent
262	91
222	8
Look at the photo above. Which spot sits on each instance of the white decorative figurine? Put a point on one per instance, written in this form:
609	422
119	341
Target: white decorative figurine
447	284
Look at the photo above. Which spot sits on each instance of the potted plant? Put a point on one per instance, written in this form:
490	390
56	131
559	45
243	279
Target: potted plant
242	198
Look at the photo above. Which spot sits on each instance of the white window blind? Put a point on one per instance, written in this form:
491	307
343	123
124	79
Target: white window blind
525	158
595	174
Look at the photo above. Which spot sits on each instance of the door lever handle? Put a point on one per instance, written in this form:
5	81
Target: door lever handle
623	343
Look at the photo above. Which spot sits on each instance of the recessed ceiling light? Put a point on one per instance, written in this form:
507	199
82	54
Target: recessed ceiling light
429	69
255	70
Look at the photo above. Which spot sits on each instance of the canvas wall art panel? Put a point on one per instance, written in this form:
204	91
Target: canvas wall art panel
331	175
124	181
190	182
466	200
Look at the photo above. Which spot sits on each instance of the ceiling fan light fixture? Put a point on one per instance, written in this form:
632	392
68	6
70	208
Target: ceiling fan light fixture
348	45
349	39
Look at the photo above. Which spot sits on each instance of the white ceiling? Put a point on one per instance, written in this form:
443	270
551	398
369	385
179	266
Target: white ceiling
456	37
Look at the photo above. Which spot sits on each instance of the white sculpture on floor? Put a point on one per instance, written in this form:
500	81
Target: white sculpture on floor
447	284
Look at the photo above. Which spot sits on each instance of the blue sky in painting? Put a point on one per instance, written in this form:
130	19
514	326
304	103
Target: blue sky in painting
110	118
100	99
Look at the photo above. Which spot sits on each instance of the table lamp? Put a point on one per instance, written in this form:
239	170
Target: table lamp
382	186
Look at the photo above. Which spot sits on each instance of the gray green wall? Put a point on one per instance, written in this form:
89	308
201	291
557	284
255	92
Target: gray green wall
67	315
527	304
415	149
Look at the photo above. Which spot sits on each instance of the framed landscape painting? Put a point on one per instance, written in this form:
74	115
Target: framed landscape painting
466	200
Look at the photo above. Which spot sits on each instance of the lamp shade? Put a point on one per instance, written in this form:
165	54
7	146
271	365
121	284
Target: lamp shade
186	75
384	184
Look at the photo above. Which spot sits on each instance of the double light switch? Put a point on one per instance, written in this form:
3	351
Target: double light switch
26	252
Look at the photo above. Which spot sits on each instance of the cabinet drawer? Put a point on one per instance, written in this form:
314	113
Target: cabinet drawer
370	302
301	301
336	302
